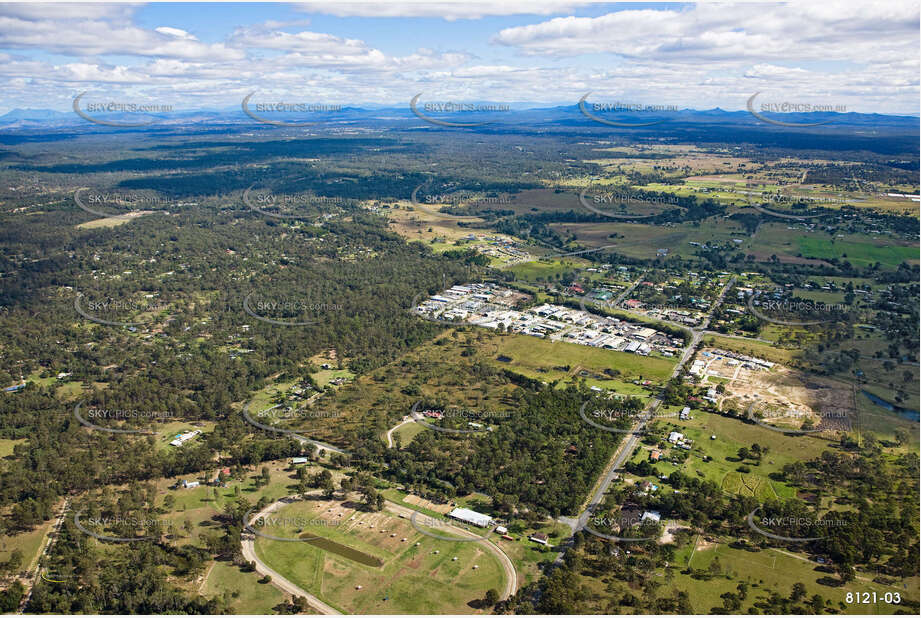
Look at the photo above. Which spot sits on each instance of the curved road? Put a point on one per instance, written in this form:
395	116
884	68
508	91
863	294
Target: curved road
394	428
278	580
511	576
286	585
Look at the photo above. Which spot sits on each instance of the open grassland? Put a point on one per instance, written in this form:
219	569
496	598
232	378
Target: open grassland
856	252
534	201
167	432
194	510
323	377
777	570
242	590
638	240
415	223
417	575
544	360
526	555
7	446
407	432
783	241
546	270
886	383
28	543
883	423
757	349
723	465
113	221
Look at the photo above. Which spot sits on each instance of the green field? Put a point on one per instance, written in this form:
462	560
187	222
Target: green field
776	570
750	347
242	590
731	435
882	422
546	270
525	554
536	358
323	376
408	432
638	240
200	505
413	578
29	543
166	432
857	253
7	446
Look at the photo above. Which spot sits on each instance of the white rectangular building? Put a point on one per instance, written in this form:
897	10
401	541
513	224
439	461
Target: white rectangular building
471	517
184	437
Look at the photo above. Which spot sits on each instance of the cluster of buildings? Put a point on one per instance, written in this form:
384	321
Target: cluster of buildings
749	362
681	316
701	366
679	440
487	305
500	248
481	520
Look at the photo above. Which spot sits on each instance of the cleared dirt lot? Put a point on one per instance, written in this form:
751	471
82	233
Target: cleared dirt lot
783	396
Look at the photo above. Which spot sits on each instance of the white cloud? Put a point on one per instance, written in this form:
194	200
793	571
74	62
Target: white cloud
450	11
701	56
711	32
98	37
68	10
307	49
176	32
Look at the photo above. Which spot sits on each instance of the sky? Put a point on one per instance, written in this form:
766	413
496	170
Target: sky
858	56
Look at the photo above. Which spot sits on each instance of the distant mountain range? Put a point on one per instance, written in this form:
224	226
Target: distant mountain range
517	115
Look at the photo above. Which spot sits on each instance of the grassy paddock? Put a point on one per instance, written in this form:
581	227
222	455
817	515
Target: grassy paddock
773	569
413	579
242	589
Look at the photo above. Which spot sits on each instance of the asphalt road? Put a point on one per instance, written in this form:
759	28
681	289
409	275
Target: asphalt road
626	447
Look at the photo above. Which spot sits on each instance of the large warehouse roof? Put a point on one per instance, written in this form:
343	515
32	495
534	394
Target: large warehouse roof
471	517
